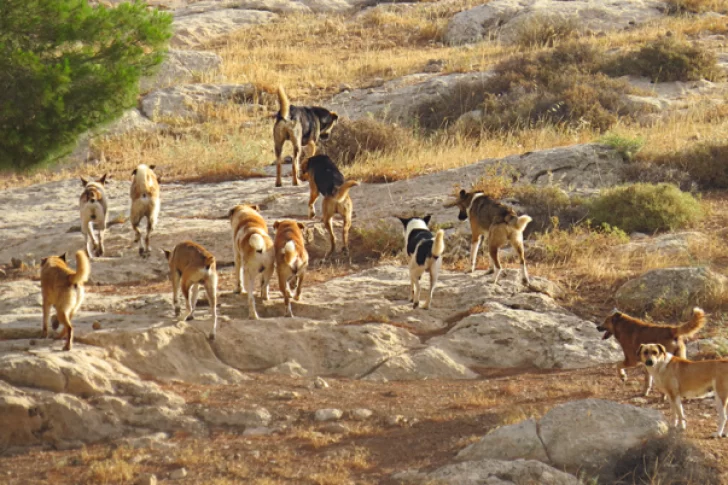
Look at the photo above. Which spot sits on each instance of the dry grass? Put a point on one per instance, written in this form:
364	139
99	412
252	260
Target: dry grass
115	468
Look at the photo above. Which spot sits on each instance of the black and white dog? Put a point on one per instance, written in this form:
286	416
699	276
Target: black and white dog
424	250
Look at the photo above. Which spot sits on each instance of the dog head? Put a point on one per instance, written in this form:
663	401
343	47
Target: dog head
243	208
651	354
48	259
167	253
607	326
303	169
327	120
412	223
463	202
101	181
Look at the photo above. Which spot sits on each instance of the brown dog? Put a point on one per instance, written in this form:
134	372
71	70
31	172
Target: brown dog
631	333
291	259
679	377
254	252
325	178
191	265
63	289
497	223
303	126
144	194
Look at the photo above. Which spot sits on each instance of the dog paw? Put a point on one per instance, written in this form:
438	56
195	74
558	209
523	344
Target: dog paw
67	347
44	334
279	184
211	337
415	304
189	317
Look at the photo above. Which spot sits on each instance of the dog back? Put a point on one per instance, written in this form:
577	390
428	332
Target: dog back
326	174
488	212
189	254
248	224
288	231
144	184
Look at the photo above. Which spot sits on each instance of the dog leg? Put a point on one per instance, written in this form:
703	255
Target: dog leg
283	285
151	222
175	277
517	243
211	292
474	246
278	143
101	248
46	318
621	372
238	272
299	286
434	272
68	329
720	404
493	253
187	292
680	420
250	285
314	193
195	293
267	275
648	383
296	140
329	223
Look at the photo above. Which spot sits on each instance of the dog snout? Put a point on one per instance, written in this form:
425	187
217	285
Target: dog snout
649	363
462	216
601	328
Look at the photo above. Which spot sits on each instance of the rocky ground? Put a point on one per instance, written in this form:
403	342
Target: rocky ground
358	387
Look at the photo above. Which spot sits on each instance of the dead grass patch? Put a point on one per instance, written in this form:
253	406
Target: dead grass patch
352	141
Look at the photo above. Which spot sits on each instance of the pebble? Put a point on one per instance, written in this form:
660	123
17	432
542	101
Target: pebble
178	473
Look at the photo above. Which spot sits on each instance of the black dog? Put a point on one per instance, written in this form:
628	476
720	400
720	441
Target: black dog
303	126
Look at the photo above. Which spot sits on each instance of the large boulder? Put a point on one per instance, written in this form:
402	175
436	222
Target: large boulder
491	472
669	246
193	31
182	67
517	441
586	434
423	364
670	289
508	337
505	20
183	102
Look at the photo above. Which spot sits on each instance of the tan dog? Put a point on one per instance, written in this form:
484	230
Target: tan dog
631	333
254	252
144	203
291	259
678	377
497	223
94	212
325	178
303	126
63	289
191	265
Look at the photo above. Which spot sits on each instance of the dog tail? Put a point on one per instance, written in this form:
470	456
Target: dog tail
285	104
696	323
83	269
289	253
520	223
439	246
257	242
344	189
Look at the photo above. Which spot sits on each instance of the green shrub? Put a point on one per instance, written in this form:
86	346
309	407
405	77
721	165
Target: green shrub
548	204
705	163
626	147
666	60
667	460
351	140
645	208
66	66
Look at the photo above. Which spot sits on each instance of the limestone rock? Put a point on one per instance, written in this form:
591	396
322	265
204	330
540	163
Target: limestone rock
361	414
193	31
289	368
506	19
254	418
584	434
517	441
430	363
182	102
182	67
328	414
671	288
496	472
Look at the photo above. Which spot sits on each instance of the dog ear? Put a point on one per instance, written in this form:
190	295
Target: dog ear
334	116
639	349
231	212
276	224
159	179
463	194
301	225
615	313
167	253
102	180
403	221
427	219
256	207
62	256
133	172
84	181
662	348
152	167
43	261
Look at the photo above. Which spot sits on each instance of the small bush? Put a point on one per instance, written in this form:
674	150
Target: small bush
646	208
545	30
350	140
562	87
646	172
626	147
666	60
668	460
548	204
706	164
496	182
582	243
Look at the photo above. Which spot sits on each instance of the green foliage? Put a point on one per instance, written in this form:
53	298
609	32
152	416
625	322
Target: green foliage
66	66
705	163
666	60
350	140
646	208
626	147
